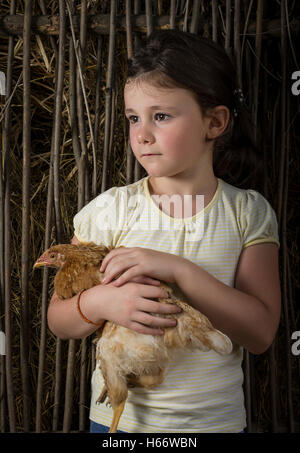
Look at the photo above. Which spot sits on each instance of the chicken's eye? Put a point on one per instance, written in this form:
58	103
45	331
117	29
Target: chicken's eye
52	255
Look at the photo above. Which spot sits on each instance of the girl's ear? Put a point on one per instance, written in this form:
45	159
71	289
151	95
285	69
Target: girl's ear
218	119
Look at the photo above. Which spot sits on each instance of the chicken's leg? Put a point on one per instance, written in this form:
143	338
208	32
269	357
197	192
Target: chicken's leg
118	410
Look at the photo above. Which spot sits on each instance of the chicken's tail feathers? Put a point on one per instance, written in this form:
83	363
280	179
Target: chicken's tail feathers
196	332
219	342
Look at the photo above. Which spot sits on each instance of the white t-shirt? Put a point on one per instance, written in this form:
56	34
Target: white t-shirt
202	391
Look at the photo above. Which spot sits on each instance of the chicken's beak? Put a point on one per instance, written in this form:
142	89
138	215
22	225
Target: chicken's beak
39	263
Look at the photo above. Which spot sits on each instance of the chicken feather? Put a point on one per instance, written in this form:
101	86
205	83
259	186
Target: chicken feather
127	358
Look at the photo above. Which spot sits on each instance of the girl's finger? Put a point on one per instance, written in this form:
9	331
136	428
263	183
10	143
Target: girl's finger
153	321
140	328
111	255
151	281
151	306
127	276
118	268
139	279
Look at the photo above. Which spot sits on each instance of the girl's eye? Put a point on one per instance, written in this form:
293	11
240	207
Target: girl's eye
161	114
132	118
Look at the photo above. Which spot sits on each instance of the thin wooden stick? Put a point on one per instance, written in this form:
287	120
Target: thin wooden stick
77	124
195	17
57	123
283	151
258	41
58	384
2	293
69	387
83	361
25	328
56	182
138	169
247	356
106	171
84	197
130	161
237	44
82	390
45	287
172	14
149	20
128	18
283	115
99	24
228	26
57	144
214	11
271	354
247	390
79	48
97	113
42	348
6	361
245	34
285	276
73	116
186	15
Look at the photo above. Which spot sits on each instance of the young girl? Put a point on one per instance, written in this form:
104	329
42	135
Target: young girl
191	222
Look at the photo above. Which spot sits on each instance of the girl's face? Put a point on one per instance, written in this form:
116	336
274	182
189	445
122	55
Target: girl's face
167	130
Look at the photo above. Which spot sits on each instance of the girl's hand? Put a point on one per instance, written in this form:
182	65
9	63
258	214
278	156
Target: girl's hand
132	306
138	264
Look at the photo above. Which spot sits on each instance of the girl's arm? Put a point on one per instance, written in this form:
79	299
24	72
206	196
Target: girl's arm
64	319
249	313
131	306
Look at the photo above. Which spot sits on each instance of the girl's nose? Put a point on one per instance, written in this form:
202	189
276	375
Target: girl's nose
144	136
143	139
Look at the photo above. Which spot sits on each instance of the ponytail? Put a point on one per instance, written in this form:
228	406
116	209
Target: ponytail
237	159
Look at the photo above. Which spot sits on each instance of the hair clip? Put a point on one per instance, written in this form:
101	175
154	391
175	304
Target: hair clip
239	96
239	100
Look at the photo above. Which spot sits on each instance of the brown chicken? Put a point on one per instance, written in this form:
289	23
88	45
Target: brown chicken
127	358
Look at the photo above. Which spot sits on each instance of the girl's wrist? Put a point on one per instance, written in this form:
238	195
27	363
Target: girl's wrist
92	304
180	266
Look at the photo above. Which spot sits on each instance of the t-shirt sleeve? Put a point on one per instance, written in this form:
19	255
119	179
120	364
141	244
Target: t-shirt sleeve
99	220
259	222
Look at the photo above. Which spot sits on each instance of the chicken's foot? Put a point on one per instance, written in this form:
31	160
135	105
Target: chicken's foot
116	417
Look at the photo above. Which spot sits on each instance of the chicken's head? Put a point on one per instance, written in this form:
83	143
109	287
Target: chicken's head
51	258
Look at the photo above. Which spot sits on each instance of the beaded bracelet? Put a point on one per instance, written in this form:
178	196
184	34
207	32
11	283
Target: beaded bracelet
80	312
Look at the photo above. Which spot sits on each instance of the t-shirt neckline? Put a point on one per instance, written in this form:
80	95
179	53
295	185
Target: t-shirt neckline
180	219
